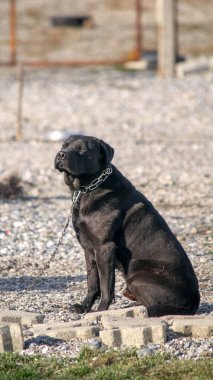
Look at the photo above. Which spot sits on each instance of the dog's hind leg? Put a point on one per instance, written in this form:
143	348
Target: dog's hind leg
160	298
129	295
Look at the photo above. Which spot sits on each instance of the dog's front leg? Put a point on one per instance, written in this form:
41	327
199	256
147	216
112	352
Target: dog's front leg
93	285
105	258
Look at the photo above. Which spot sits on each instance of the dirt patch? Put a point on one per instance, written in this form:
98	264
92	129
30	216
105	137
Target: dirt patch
11	187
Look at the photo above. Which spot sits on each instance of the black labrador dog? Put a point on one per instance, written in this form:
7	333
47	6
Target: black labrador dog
118	227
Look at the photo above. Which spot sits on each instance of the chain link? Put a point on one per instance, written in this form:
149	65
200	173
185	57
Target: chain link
96	182
93	185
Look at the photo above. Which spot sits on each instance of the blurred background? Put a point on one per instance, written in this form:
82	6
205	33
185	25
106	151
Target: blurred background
99	30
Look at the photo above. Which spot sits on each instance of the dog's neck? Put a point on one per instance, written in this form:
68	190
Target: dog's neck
79	185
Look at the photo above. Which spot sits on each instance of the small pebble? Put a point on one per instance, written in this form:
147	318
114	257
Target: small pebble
95	344
145	352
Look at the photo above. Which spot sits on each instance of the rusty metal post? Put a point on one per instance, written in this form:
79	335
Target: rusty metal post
19	131
12	16
138	5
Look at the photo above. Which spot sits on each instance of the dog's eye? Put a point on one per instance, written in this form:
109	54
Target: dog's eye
79	148
65	145
80	151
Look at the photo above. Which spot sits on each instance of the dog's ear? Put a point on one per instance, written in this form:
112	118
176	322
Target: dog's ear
107	152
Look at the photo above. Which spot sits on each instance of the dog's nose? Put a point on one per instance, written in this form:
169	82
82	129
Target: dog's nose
61	155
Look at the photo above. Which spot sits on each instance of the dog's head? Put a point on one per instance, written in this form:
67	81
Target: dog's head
82	157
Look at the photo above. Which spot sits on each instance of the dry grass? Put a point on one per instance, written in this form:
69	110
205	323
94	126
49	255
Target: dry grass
93	365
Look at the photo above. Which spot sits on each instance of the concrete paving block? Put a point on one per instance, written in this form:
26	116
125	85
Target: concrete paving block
139	311
193	65
11	337
5	338
136	337
203	329
111	337
198	328
171	318
87	332
112	322
133	332
133	337
125	312
16	336
66	331
23	317
52	325
159	334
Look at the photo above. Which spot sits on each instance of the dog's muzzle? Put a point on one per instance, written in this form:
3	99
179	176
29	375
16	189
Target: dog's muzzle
59	159
61	155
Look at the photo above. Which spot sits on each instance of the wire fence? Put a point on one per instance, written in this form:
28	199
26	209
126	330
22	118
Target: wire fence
106	31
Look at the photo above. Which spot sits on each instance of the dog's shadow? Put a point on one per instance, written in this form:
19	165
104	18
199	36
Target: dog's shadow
204	308
43	339
49	284
59	284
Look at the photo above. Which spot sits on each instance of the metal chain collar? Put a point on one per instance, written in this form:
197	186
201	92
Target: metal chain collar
93	185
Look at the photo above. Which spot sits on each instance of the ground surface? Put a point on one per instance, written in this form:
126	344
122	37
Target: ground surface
162	134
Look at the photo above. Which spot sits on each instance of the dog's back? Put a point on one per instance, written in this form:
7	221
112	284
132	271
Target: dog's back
158	271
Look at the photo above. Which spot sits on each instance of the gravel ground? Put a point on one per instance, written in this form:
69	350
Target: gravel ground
161	130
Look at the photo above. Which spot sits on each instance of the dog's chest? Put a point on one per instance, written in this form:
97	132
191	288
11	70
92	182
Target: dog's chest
84	232
93	226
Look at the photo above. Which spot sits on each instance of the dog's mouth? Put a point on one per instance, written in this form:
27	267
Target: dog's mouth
62	169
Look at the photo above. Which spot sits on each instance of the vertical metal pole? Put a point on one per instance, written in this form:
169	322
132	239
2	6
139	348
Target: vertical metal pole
176	31
166	36
19	131
138	5
12	16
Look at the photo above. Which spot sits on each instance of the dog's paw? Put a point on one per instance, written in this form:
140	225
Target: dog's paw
77	308
103	305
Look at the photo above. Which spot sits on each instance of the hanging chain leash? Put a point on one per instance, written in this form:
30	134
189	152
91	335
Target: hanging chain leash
41	272
76	196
